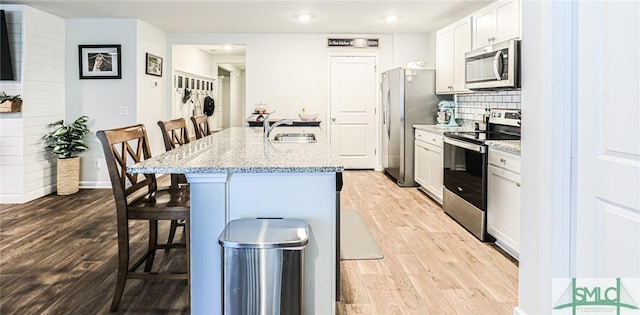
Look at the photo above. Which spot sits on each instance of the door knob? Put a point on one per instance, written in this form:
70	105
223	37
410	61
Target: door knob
333	119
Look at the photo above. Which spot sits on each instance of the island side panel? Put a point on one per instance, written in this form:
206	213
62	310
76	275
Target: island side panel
307	196
208	219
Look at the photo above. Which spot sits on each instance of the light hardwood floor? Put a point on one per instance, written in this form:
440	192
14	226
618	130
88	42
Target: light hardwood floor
58	256
431	264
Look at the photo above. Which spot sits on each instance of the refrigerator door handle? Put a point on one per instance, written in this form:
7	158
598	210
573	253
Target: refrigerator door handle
386	113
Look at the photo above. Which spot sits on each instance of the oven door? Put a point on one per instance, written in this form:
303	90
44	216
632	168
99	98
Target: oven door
465	171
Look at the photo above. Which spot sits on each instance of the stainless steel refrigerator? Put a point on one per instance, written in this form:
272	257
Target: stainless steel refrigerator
408	98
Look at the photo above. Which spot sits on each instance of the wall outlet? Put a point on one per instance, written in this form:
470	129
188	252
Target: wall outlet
124	110
96	164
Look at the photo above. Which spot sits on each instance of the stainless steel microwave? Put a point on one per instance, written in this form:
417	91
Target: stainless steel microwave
493	67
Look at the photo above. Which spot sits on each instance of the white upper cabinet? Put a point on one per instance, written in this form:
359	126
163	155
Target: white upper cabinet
452	42
496	23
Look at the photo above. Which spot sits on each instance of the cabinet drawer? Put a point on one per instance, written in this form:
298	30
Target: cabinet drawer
428	137
504	160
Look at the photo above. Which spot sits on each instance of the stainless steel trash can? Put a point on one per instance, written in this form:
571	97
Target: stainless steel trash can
263	266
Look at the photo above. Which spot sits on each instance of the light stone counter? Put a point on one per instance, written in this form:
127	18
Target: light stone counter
234	174
510	146
437	129
243	150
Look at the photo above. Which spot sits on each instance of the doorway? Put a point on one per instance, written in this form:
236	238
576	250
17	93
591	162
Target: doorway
353	107
224	92
217	71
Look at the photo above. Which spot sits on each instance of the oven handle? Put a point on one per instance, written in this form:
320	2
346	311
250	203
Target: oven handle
466	145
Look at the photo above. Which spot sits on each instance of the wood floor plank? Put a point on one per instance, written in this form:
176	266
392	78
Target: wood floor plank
58	256
432	260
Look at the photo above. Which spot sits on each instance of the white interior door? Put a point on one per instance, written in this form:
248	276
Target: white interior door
607	229
353	110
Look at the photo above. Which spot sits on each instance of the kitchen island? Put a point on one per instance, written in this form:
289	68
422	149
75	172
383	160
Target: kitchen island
236	174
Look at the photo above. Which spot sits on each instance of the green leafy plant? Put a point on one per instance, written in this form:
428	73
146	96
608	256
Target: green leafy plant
5	97
66	141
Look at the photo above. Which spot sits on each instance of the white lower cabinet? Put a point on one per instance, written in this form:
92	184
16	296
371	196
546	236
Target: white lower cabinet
503	200
428	163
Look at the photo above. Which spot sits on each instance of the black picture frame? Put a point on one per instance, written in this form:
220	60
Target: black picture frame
153	65
100	61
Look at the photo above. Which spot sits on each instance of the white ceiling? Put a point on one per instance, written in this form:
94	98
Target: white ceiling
263	16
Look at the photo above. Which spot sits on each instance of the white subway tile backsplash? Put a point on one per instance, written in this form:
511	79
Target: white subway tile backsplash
473	106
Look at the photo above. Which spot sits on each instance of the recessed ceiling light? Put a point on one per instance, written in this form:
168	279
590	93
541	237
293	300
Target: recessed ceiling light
303	17
391	18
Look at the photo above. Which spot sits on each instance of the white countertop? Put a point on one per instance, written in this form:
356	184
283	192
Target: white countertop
243	150
439	129
510	146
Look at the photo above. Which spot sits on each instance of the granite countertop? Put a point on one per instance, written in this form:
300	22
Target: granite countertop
243	150
437	129
510	146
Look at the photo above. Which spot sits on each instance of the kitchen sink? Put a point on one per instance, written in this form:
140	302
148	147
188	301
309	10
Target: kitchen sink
295	138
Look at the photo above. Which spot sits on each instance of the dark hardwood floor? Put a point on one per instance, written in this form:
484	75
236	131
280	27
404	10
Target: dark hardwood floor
58	256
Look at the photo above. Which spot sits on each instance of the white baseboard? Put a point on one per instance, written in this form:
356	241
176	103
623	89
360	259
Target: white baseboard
11	199
518	311
95	185
24	198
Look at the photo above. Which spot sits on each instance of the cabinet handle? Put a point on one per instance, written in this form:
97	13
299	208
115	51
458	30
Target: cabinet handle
503	161
518	184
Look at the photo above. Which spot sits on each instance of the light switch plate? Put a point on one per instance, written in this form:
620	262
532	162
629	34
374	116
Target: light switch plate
124	110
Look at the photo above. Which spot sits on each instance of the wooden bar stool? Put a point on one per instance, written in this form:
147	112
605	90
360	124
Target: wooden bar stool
175	134
201	126
137	197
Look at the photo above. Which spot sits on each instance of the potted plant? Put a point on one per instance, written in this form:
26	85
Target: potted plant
65	141
10	103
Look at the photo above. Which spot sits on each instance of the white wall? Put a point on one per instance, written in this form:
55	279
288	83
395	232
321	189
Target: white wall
27	172
191	60
289	71
11	124
414	47
546	245
101	99
152	90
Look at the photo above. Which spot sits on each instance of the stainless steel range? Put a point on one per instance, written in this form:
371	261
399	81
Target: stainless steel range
465	170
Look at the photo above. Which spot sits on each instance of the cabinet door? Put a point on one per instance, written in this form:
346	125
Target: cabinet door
421	172
484	27
503	208
496	23
444	61
461	45
436	172
507	20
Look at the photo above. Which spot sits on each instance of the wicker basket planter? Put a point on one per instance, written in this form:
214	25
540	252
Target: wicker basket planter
68	175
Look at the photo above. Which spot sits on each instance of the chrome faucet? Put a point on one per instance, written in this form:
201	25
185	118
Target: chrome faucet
268	128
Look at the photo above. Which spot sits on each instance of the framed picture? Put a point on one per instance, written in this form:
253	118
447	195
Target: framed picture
99	61
154	65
